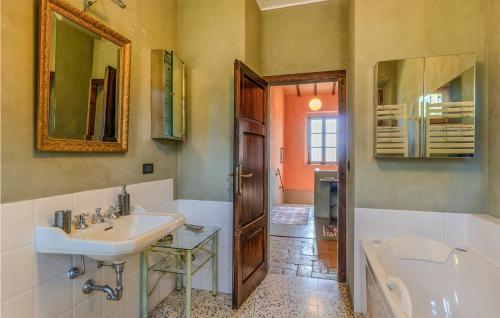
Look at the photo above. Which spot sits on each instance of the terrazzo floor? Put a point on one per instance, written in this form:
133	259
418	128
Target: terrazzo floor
278	296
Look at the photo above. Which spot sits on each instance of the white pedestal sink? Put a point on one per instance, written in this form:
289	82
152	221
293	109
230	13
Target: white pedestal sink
130	234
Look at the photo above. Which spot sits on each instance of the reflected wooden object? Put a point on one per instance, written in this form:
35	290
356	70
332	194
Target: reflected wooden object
93	116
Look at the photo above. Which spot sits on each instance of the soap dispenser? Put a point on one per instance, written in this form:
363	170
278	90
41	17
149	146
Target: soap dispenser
124	201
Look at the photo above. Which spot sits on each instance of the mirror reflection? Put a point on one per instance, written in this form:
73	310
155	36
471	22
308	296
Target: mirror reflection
425	107
84	78
400	85
449	106
177	97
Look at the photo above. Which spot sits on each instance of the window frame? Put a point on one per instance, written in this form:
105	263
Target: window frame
323	118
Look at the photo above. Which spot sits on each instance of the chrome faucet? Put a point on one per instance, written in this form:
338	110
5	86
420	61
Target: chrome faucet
97	217
81	221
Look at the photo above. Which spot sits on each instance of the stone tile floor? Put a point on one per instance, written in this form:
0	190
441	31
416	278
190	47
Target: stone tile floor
278	296
298	256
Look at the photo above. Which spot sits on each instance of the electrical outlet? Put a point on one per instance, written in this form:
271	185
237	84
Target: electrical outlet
147	168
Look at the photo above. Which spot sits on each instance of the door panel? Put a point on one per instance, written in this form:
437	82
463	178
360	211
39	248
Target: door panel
253	101
253	253
250	210
253	191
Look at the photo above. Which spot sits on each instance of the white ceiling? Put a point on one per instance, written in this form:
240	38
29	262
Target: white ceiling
276	4
308	89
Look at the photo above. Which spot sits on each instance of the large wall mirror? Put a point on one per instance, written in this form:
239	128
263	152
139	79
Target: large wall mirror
84	74
425	107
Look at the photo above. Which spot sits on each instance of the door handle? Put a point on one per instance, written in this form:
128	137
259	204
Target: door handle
240	176
240	181
249	175
236	176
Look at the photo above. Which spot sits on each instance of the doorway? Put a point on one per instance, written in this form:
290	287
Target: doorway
252	174
307	174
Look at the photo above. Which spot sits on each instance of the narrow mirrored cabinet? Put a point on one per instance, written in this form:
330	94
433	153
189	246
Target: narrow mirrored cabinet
425	107
167	96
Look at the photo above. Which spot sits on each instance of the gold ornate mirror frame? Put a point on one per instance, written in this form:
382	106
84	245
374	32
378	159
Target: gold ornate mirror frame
43	142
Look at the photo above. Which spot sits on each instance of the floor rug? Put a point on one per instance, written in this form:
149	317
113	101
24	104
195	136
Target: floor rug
290	215
330	231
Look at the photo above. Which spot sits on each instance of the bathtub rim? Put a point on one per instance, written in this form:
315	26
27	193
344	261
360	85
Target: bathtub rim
379	275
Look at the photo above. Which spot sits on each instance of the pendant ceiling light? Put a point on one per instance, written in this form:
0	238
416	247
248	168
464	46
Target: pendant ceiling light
315	104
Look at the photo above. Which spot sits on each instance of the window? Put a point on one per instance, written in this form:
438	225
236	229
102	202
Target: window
322	140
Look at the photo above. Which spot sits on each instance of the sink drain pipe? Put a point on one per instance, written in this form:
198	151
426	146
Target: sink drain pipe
112	294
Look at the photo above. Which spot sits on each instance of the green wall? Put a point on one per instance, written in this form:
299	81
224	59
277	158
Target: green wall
211	36
292	40
27	173
403	29
253	35
306	38
494	110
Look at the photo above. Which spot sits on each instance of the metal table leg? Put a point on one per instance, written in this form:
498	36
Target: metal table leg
178	277
214	265
178	282
189	278
144	284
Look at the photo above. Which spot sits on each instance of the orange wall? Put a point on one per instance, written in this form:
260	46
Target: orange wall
298	173
277	115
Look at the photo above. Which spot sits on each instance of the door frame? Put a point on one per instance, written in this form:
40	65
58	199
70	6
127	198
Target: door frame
340	77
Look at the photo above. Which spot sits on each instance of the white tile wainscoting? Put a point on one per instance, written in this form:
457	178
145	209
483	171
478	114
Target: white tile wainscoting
478	232
36	285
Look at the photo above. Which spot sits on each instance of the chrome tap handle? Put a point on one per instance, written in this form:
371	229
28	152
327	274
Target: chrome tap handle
97	217
117	211
113	212
81	221
81	216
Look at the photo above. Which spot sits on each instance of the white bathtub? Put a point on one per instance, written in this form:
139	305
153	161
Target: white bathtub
416	277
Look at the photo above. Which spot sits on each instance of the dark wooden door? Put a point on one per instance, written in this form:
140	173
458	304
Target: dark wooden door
342	169
250	210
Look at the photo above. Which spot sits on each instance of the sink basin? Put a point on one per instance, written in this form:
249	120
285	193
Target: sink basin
130	234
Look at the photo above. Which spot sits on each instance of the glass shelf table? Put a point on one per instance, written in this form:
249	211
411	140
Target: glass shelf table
183	255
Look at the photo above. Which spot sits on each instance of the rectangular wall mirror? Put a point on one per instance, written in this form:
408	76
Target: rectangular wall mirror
425	107
84	70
